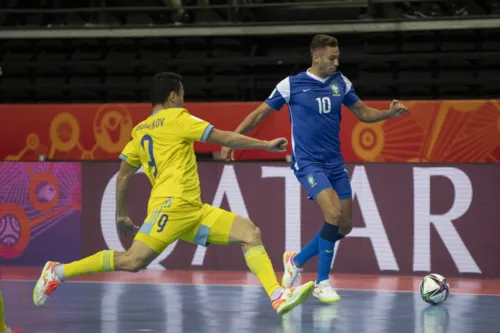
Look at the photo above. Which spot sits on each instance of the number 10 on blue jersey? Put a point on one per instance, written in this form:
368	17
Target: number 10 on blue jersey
149	141
324	104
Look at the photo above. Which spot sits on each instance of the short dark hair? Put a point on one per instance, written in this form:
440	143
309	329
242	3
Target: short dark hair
163	84
323	41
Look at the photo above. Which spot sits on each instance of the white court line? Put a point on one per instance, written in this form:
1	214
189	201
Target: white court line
234	285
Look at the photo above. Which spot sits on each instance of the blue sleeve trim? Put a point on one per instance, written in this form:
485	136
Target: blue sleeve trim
125	159
350	102
274	107
276	102
350	98
206	133
201	237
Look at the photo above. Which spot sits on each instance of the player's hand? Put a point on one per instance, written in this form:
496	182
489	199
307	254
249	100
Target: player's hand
277	145
227	153
125	226
397	109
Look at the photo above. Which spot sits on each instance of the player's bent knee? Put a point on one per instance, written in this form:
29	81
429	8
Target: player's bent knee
138	265
133	260
137	257
332	215
253	236
346	228
345	225
135	264
245	232
257	234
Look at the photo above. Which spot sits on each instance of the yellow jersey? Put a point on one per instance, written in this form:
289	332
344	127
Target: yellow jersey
163	145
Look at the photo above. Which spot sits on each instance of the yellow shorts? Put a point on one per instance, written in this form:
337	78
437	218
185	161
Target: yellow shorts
179	220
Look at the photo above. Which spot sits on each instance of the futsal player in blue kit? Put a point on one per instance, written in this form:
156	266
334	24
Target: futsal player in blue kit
314	99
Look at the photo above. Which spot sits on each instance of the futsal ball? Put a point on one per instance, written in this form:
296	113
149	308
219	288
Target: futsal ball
10	230
434	289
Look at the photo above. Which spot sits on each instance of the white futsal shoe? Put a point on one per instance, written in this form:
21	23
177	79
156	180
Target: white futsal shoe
291	271
325	293
46	284
292	297
11	331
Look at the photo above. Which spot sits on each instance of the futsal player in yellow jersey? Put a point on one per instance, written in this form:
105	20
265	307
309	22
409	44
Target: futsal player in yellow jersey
163	145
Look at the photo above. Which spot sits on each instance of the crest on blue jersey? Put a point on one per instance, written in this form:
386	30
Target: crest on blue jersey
310	179
335	89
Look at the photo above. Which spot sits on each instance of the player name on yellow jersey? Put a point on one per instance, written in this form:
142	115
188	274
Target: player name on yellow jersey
156	123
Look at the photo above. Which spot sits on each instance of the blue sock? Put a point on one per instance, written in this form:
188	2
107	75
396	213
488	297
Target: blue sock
309	251
328	236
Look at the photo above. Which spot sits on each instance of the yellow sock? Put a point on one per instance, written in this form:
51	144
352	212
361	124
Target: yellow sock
3	326
98	263
259	263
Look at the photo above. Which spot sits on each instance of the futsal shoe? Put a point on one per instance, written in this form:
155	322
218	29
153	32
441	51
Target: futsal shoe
46	285
292	297
10	331
325	293
291	270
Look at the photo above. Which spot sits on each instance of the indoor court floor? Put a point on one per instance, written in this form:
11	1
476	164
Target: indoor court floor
229	302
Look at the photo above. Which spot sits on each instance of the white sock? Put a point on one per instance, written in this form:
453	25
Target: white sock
59	273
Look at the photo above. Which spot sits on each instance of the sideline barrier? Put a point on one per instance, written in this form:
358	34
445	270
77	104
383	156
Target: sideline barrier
408	218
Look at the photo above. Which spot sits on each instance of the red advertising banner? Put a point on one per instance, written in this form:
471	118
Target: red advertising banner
408	217
433	131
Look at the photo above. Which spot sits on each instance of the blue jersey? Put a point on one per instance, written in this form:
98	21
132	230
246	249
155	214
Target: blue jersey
315	114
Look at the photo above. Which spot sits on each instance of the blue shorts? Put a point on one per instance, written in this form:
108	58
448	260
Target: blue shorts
316	179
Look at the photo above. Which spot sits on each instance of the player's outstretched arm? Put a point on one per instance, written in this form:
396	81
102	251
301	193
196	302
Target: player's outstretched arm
370	115
124	224
254	118
249	123
239	141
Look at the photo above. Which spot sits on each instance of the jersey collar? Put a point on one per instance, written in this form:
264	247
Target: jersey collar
317	78
157	111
